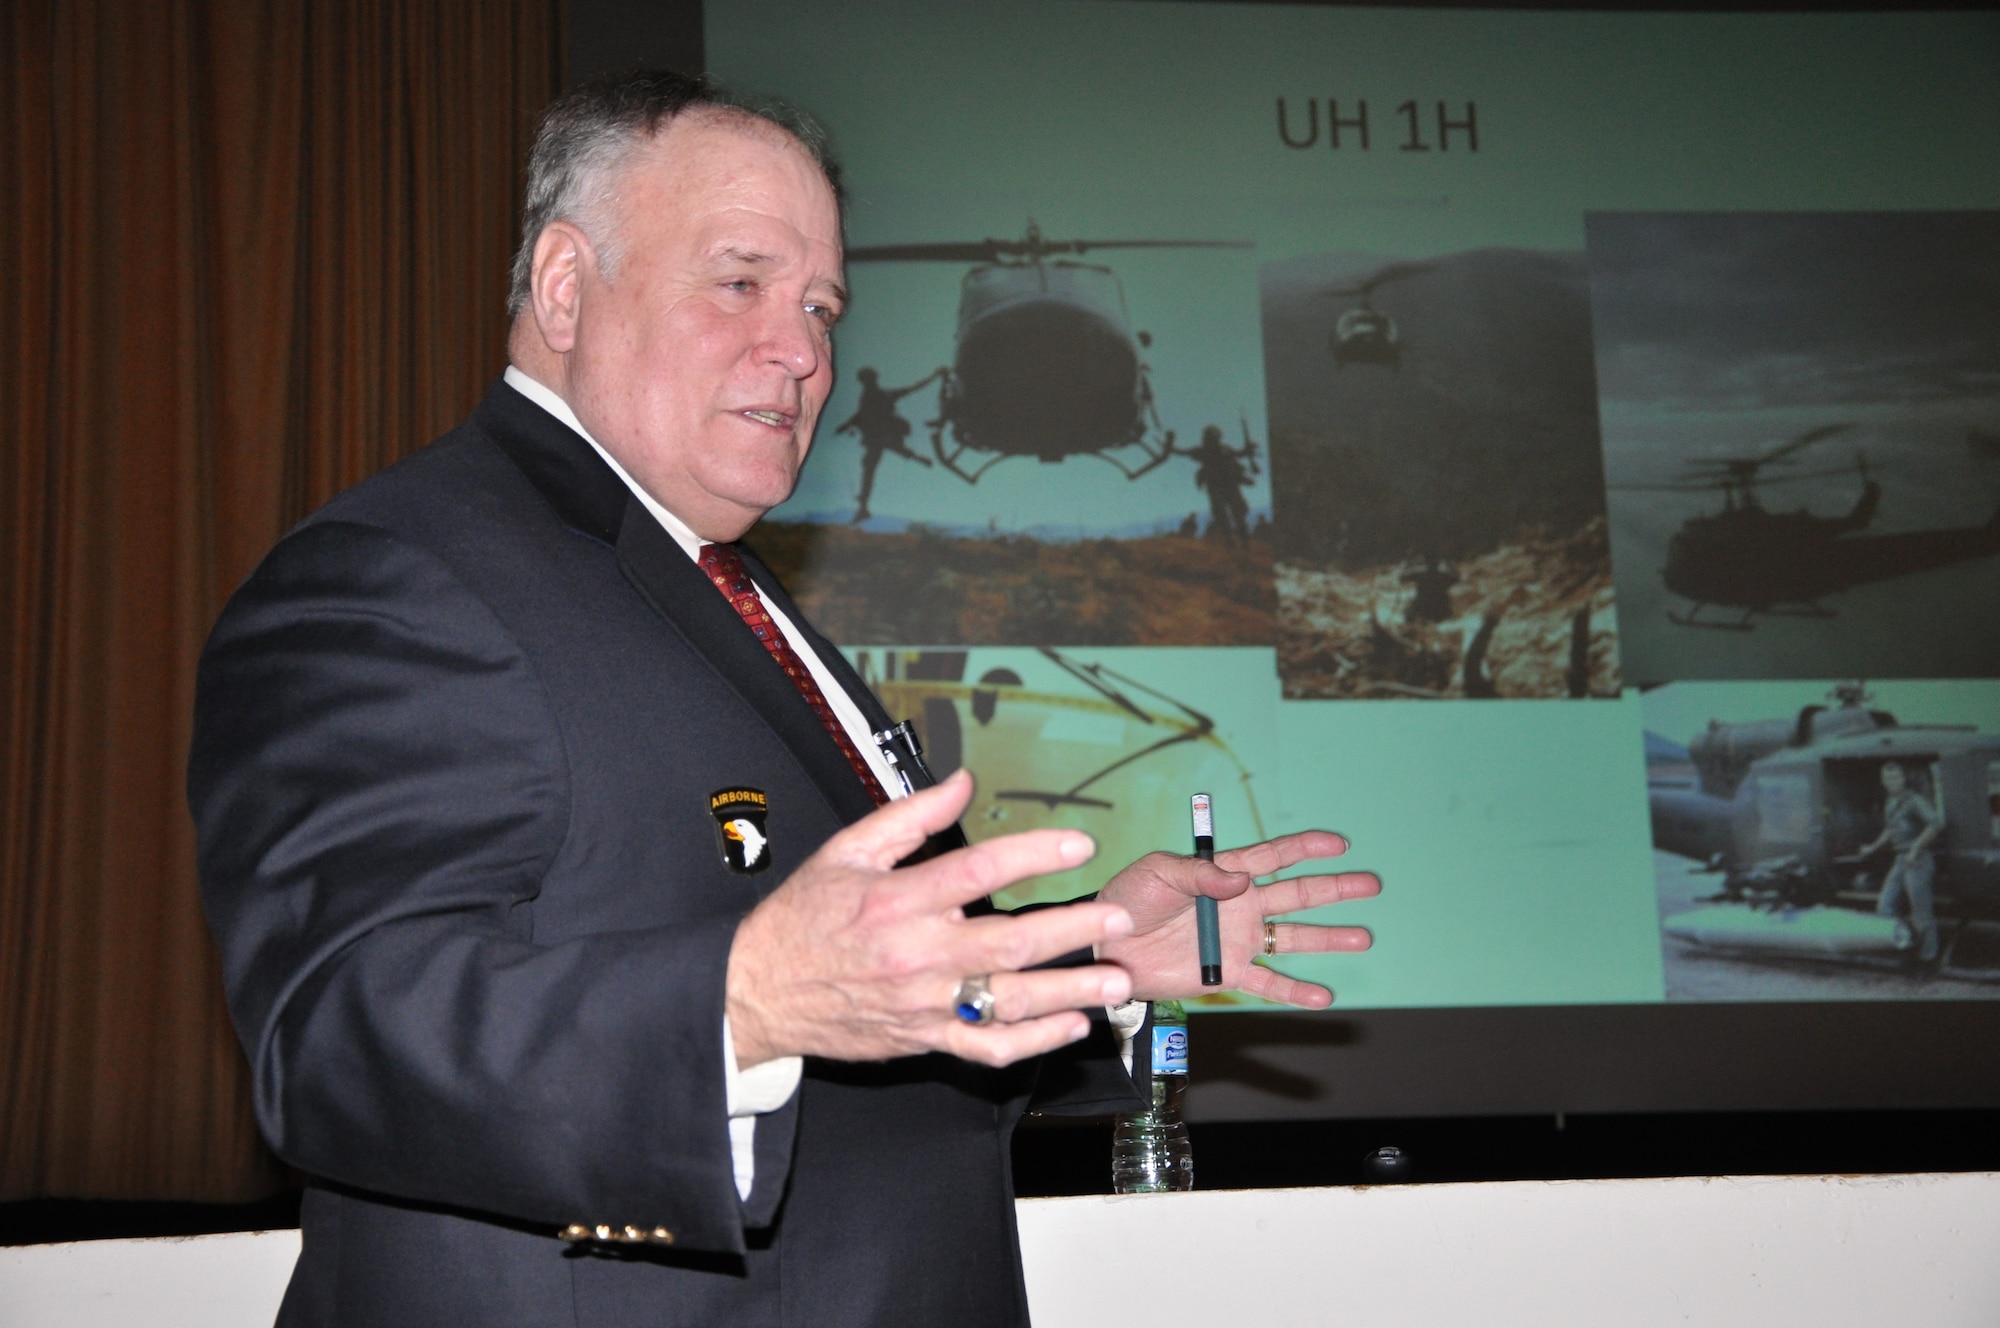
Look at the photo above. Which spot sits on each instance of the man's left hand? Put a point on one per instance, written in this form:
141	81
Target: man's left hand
1159	891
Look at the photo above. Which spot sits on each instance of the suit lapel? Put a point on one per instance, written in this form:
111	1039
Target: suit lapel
945	840
590	498
586	494
669	580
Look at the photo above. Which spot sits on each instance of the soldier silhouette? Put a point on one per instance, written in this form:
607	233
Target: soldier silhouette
1433	582
1219	470
882	429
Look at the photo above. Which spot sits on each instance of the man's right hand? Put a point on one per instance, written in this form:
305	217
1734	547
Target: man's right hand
854	959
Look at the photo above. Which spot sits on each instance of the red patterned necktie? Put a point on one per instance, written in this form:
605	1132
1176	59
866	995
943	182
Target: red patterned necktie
725	568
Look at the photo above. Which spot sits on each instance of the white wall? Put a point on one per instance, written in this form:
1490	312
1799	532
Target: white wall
184	1282
1768	1251
1819	1252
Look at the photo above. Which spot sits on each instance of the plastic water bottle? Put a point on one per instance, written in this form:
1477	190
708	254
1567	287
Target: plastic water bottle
1150	1150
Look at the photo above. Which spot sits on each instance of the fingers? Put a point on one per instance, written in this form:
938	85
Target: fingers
1024	996
1302	892
1275	986
1193	877
1285	851
1186	876
1306	938
959	877
1003	1044
1303	938
1004	943
892	832
1035	1013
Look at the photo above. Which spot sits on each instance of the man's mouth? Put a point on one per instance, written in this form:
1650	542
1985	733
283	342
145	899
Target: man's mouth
776	419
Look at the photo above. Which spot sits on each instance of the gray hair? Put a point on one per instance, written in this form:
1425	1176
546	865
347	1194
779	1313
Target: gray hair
586	136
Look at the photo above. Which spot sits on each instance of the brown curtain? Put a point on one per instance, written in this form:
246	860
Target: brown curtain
256	250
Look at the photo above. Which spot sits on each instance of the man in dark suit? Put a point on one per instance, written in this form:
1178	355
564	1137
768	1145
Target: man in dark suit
570	948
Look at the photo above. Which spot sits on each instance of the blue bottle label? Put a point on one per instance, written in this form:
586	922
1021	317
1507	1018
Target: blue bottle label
1170	1049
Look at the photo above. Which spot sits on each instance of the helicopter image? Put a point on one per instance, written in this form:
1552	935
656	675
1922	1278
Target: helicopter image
1046	362
1783	811
1782	564
1059	740
1364	334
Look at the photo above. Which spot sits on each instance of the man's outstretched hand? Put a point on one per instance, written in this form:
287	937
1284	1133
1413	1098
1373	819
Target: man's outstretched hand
1158	892
854	959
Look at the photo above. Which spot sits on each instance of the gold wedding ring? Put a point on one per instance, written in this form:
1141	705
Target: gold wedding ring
1270	939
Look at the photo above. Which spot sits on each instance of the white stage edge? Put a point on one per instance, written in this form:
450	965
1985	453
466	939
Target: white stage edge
1818	1252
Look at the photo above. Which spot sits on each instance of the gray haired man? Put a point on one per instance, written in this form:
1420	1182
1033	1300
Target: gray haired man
556	1046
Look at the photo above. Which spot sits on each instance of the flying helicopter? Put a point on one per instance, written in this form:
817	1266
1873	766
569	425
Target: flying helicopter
1058	739
1046	362
1364	334
1782	809
1781	564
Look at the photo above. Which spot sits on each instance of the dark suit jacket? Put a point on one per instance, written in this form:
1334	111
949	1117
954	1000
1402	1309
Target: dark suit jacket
454	746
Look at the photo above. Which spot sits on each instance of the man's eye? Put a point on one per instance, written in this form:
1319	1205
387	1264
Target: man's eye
740	284
826	313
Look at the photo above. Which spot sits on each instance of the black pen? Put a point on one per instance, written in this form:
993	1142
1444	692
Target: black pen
1207	925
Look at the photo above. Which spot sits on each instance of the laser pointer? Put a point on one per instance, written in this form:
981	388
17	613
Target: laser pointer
1207	925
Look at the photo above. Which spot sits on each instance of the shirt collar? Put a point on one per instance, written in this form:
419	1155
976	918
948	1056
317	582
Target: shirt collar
545	397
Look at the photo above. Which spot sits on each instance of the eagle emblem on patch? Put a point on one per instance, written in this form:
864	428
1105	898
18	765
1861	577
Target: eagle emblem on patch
739	823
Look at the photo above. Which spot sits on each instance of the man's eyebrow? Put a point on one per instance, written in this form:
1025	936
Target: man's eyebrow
753	258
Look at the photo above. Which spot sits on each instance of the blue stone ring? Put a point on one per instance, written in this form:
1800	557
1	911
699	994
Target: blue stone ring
974	1002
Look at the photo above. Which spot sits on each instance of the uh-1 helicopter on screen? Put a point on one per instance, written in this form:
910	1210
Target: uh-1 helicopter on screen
1365	334
1046	362
1781	564
1785	813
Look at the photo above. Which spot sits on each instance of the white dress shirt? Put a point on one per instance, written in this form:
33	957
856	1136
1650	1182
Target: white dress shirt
766	1087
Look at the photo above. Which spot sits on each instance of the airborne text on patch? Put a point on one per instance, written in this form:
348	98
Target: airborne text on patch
739	821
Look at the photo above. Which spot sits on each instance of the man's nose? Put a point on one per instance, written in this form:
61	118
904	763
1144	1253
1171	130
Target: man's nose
793	339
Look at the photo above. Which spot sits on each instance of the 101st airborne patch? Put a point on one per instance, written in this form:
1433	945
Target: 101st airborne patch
739	823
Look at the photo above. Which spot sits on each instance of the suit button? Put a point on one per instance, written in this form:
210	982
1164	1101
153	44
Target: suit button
620	1235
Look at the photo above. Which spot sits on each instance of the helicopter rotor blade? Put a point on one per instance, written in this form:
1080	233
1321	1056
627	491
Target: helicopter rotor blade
1084	246
1720	481
1808	475
1394	272
1034	248
1748	476
969	251
1747	470
1806	439
1381	277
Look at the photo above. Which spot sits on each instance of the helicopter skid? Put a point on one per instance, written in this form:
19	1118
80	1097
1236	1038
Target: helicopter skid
1748	621
1825	932
1153	459
1821	931
949	460
1156	454
1690	619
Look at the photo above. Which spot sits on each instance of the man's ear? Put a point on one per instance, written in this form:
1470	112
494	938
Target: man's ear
555	286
